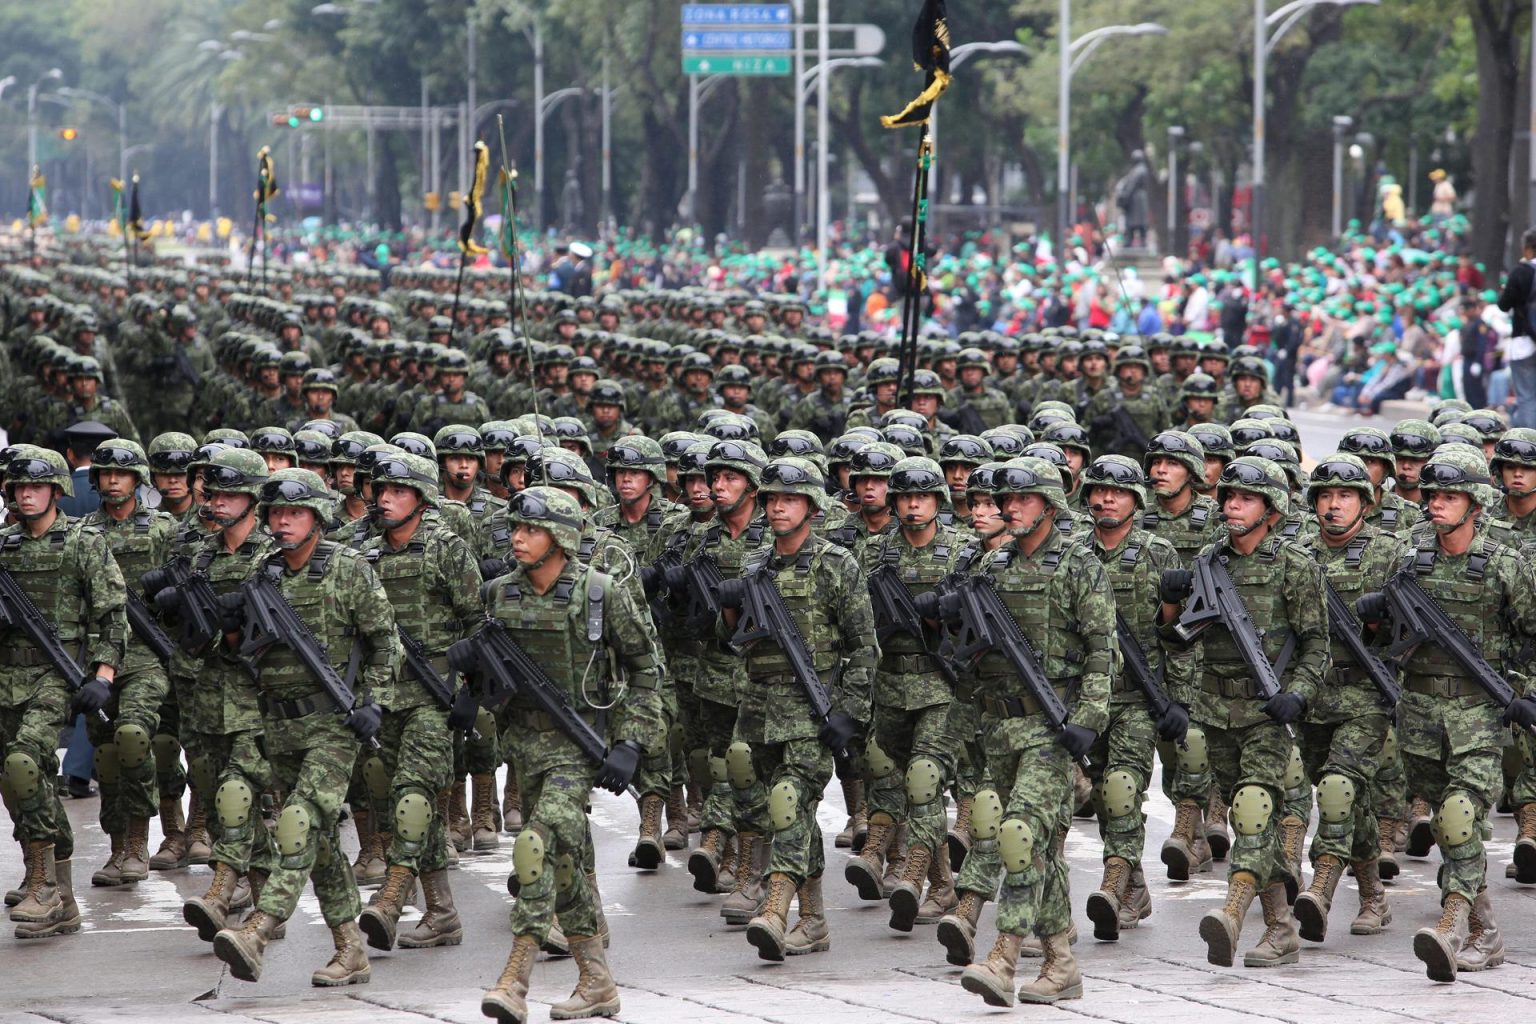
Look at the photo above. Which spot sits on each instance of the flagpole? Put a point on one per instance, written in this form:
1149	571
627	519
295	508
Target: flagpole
912	299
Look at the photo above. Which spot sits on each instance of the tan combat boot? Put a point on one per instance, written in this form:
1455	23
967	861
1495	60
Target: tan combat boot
766	931
1484	947
208	912
1525	845
349	964
1215	825
370	866
1280	945
740	906
1137	905
1438	946
1033	946
1220	929
907	893
1293	841
439	924
382	914
992	979
1421	834
1183	851
1313	905
555	943
596	995
1059	977
853	799
173	847
444	801
1104	906
809	935
866	871
725	880
704	862
460	831
257	881
1386	838
958	838
111	873
244	949
48	908
511	805
135	862
895	859
508	1000
199	849
1375	914
482	816
941	897
676	835
957	929
649	852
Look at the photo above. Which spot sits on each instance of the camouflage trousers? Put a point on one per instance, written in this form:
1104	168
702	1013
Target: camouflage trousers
239	772
556	800
660	769
312	759
1123	755
1522	790
170	774
1032	775
970	755
127	777
906	737
1351	748
714	724
31	730
414	759
1251	755
1389	786
794	774
1453	753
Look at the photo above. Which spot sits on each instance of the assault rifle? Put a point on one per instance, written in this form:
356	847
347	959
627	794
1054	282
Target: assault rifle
18	612
1215	599
896	611
695	585
1140	669
189	597
148	630
422	668
1346	628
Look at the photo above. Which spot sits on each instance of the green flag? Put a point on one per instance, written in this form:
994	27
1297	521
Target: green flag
37	198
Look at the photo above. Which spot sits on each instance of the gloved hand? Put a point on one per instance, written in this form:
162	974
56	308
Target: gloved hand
1173	724
1372	608
1077	739
92	696
837	732
1521	712
365	721
1175	585
461	717
1285	708
232	612
619	766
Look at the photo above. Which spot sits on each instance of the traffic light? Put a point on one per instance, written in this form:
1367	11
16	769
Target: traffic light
454	200
317	114
284	121
432	202
314	115
69	134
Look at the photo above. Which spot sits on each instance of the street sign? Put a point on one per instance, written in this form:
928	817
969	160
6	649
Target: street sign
737	14
729	65
694	39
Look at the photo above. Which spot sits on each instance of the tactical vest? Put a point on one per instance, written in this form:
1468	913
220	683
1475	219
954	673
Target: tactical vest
1035	594
1348	579
562	631
1464	597
920	574
1127	574
225	570
426	616
796	583
1187	533
1258	578
38	568
281	674
132	544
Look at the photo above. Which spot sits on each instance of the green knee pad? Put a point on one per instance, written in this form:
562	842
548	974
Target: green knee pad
232	806
1252	809
1194	757
108	764
23	777
738	766
1335	805
133	745
1455	822
925	781
413	816
485	725
1296	784
167	753
565	872
376	778
1388	759
293	833
528	855
717	771
1016	845
783	804
1120	798
877	761
986	814
200	771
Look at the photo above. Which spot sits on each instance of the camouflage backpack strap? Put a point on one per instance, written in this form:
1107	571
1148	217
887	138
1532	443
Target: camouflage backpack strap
584	550
321	559
968	555
1477	558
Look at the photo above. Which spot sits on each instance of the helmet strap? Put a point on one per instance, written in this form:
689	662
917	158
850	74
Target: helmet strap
393	524
225	522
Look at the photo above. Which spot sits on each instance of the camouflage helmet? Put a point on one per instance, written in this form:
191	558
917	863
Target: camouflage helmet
1215	439
1030	475
745	457
965	449
676	442
638	452
272	439
227	436
1133	355
416	444
1247	430
692	461
1341	469
1460	468
407	470
1119	472
119	453
1517	448
1488	422
171	452
552	510
983	479
557	467
1008	441
1256	476
1180	446
1282	455
1199	385
1414	439
792	475
235	471
1457	433
347	448
875	459
909	439
459	439
30	464
296	488
1370	443
1449	411
916	474
1069	435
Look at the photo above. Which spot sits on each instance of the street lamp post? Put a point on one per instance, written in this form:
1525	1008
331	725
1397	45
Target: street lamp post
815	78
957	56
74	92
1341	127
1175	189
51	73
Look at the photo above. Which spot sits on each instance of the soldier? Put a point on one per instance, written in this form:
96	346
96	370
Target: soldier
958	457
320	390
791	749
1413	442
68	572
311	740
1389	511
1449	729
1239	742
641	516
991	406
169	455
824	411
1249	377
1142	405
451	404
140	540
567	617
1344	734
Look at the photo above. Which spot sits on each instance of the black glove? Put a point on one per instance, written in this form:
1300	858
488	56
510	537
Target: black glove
168	600
232	612
619	766
365	721
1521	712
1285	708
1372	608
1175	585
92	696
1077	739
461	717
1173	724
837	732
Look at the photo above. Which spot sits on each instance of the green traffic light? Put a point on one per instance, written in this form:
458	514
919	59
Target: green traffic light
293	122
317	113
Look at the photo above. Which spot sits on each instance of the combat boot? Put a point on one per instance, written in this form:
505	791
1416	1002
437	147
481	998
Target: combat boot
1183	850
444	803
382	914
1033	947
241	900
1386	838
173	848
1215	825
957	929
1059	977
1137	905
1375	913
1104	906
460	832
895	860
1293	839
767	930
809	935
349	964
853	799
482	818
555	943
61	919
1421	835
992	979
135	862
596	995
1525	845
208	912
1220	929
257	881
725	881
597	908
1438	946
508	1000
958	838
741	905
649	852
511	806
866	871
907	892
704	862
37	896
1313	905
244	949
198	847
1484	947
370	866
1280	944
941	891
439	924
696	791
676	835
111	873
